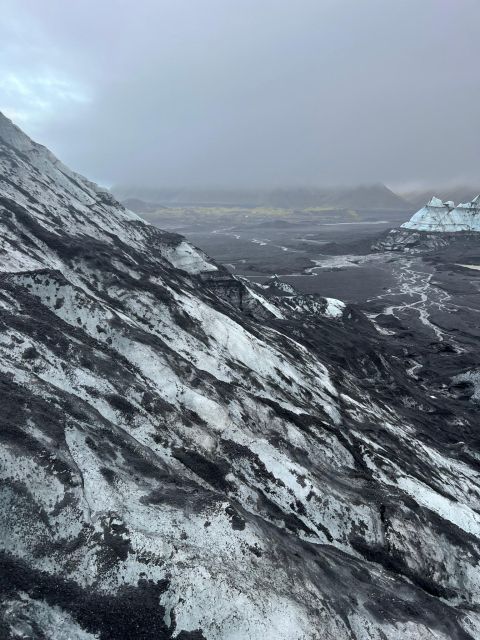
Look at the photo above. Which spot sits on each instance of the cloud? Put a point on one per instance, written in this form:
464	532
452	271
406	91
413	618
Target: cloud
260	93
34	88
32	100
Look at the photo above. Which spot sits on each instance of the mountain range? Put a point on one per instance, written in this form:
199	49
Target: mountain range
376	196
456	193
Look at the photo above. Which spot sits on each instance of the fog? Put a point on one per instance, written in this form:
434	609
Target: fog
248	93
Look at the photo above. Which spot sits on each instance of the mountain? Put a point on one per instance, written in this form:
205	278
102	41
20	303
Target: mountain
185	455
444	217
140	206
376	196
191	196
459	193
436	225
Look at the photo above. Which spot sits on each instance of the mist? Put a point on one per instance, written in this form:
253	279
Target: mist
248	94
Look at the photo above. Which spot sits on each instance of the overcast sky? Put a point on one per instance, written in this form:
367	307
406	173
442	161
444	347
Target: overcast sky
248	92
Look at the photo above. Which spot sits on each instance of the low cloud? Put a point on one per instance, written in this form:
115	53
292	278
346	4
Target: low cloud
248	93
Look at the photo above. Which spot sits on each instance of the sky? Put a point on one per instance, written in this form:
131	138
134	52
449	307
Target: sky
248	93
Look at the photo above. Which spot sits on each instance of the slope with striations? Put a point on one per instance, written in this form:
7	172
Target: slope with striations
182	457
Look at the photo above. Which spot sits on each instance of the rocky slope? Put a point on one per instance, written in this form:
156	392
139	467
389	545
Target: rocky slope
184	456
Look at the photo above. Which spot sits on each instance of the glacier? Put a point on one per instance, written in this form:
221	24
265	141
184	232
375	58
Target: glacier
444	217
185	455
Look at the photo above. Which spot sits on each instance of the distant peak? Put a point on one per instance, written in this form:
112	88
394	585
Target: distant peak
436	202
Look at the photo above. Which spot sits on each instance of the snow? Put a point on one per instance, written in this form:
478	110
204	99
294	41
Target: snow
265	303
335	308
451	510
275	284
218	379
54	622
306	305
438	216
473	377
265	615
474	267
186	257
